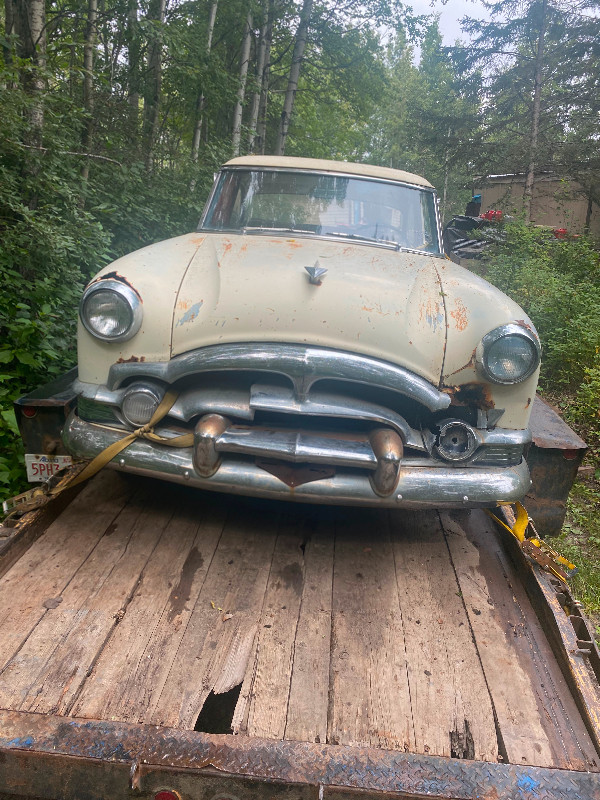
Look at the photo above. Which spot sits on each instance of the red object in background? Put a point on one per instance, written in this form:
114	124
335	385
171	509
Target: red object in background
560	233
491	215
29	411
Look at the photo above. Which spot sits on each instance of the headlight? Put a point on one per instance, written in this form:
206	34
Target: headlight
139	403
508	354
457	441
111	310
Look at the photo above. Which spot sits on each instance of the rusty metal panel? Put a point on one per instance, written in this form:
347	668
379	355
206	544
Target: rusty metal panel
553	458
53	403
156	758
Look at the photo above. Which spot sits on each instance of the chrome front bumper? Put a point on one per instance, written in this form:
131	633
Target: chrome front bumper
420	485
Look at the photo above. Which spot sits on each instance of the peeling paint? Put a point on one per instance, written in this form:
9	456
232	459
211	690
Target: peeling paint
191	314
432	314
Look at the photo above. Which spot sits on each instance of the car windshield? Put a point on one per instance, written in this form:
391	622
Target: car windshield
359	209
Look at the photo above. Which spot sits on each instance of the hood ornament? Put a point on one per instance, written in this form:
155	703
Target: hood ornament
316	274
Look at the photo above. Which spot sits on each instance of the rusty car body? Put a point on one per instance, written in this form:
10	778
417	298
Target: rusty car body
316	345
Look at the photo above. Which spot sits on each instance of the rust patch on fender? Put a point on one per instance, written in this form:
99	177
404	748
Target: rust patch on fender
115	276
227	247
469	365
131	360
471	394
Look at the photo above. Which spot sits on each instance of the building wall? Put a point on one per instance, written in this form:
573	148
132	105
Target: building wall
556	203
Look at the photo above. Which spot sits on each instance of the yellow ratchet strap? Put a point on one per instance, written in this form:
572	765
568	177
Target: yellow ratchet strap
35	498
534	547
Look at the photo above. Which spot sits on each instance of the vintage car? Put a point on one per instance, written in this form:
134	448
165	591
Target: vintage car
309	342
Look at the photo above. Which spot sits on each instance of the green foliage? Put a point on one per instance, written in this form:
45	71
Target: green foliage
557	282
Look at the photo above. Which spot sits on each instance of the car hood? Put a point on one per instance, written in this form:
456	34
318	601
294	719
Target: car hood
255	288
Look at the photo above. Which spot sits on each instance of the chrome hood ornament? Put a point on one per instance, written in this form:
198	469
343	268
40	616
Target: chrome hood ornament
316	274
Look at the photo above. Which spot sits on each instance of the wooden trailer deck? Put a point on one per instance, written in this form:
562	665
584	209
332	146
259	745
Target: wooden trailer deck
147	603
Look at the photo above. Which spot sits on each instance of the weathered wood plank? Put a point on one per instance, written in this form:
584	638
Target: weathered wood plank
537	719
48	566
451	705
369	692
131	670
213	641
94	617
272	668
309	690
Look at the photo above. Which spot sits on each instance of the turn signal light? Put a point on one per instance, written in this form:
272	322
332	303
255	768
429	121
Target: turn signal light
167	794
29	411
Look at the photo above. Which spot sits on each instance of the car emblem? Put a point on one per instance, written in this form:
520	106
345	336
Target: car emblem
316	274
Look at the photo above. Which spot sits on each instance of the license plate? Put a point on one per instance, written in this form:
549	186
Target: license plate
42	467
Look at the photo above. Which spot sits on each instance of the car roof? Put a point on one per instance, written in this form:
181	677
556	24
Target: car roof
325	165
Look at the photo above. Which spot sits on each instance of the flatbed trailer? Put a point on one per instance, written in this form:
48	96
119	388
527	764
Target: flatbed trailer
158	639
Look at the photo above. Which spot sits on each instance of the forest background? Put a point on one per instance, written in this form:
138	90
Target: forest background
116	113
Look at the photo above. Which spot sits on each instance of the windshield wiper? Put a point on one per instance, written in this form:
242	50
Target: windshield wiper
360	238
267	229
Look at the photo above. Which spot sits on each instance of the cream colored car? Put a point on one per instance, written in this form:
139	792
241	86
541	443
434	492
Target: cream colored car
309	342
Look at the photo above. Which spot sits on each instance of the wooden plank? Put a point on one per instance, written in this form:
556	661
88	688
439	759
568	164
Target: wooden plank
537	719
451	705
48	566
309	690
89	613
21	678
272	667
216	646
131	670
369	692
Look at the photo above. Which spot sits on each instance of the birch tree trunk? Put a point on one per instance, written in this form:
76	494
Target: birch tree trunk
133	66
154	83
9	27
260	69
261	124
290	94
535	116
29	22
201	99
88	83
237	112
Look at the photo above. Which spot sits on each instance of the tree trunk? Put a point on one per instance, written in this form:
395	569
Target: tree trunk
29	22
237	112
261	125
201	99
290	94
9	29
260	69
88	83
133	66
154	82
535	116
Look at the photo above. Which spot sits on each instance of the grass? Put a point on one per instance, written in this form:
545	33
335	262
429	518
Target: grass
579	541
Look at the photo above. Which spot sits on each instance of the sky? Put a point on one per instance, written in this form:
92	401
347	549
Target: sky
450	14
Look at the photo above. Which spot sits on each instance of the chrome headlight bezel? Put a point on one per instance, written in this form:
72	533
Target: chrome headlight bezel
125	292
513	330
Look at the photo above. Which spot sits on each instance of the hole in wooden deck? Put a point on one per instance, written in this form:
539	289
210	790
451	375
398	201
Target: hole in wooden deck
217	712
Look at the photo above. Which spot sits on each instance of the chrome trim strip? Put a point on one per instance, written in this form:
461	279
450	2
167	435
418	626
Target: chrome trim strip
281	400
297	447
418	487
304	365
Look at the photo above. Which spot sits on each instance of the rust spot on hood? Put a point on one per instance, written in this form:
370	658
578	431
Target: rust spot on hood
471	394
459	315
